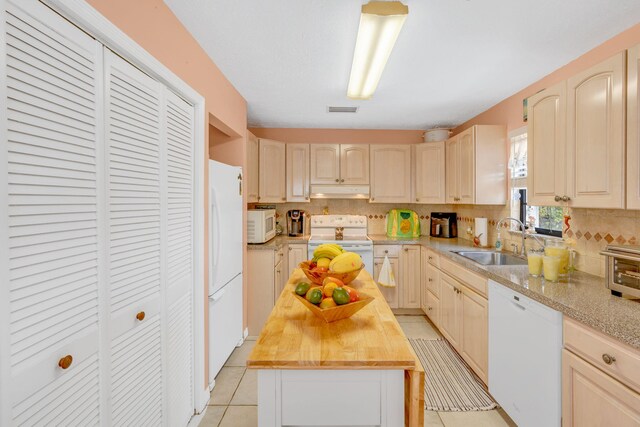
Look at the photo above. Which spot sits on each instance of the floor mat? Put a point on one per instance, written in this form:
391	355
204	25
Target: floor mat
450	385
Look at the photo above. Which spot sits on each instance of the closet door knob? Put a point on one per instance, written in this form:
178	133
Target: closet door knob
140	316
65	362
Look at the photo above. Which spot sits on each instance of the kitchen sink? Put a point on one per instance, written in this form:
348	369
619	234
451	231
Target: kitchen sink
492	258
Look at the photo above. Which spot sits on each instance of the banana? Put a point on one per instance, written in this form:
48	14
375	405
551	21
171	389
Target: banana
327	250
345	263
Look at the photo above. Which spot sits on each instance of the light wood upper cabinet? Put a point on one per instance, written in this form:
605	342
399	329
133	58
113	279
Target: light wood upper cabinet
429	173
467	166
354	164
272	172
633	128
576	139
595	135
251	172
297	172
546	133
340	164
325	163
390	173
451	170
476	166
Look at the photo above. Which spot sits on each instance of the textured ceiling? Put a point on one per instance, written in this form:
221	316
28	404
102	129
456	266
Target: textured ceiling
291	59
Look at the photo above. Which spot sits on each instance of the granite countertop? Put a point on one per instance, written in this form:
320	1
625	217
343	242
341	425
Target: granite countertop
581	296
277	242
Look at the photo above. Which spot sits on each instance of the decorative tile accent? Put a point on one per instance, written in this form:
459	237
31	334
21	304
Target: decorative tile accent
598	237
633	240
578	234
608	238
587	235
370	216
569	233
620	240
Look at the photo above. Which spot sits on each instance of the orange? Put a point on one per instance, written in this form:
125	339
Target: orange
328	303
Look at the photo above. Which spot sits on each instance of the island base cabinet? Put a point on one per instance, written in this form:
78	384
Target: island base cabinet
592	398
317	397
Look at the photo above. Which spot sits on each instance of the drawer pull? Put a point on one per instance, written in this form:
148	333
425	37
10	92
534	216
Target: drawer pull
430	279
430	258
608	359
65	362
140	316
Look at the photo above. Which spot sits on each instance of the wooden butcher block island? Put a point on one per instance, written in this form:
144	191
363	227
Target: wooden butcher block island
359	371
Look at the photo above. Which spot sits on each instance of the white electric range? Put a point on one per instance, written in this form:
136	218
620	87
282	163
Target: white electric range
355	239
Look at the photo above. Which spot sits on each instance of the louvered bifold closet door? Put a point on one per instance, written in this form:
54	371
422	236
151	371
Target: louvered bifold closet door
49	170
179	148
134	140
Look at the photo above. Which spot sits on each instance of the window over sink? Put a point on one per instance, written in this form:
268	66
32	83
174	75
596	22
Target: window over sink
544	219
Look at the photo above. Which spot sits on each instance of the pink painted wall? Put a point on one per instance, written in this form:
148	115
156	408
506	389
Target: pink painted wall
509	111
340	136
154	27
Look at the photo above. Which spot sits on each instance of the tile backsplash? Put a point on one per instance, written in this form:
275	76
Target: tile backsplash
591	229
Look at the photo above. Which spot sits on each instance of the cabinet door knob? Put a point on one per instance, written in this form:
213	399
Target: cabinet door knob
430	308
430	257
608	359
65	362
566	198
386	251
417	200
140	316
337	180
372	199
290	248
284	198
430	279
342	180
406	249
557	198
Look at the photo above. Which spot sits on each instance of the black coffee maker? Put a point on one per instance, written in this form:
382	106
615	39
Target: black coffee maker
295	222
444	224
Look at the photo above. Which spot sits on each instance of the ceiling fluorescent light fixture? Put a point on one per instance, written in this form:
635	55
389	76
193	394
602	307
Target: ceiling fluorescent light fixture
380	24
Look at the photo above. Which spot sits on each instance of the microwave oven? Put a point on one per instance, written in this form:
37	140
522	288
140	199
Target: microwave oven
261	225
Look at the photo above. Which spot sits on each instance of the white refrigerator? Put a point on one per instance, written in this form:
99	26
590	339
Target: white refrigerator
225	263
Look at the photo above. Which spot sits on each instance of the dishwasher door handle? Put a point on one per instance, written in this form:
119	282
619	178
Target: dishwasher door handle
521	307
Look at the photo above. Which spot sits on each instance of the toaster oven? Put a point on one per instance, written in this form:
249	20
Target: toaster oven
622	272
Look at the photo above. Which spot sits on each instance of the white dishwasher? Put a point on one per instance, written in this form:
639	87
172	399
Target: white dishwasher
525	351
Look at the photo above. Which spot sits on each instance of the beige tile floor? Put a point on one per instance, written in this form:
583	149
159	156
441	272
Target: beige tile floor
234	398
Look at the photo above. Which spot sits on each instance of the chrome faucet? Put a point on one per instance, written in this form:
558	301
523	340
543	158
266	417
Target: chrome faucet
523	251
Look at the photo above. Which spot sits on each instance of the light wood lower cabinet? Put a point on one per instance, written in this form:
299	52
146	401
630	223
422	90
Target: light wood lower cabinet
600	379
461	315
474	333
391	295
592	398
450	310
266	278
405	263
296	254
410	274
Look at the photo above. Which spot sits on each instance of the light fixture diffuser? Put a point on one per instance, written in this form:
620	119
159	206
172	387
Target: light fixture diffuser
380	24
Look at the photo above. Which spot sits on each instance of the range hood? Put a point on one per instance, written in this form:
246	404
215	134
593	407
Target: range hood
339	191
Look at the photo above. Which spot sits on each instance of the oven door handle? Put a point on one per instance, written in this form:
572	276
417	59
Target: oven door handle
618	255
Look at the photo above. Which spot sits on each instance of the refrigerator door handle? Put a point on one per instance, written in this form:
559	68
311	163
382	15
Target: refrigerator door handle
218	295
214	231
